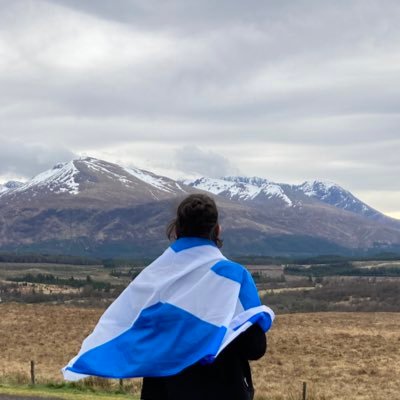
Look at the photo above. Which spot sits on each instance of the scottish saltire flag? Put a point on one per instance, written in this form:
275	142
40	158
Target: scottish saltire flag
185	307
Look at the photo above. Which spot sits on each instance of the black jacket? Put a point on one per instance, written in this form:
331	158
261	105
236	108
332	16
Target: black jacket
227	378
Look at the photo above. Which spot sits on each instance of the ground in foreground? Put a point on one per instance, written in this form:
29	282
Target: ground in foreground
340	355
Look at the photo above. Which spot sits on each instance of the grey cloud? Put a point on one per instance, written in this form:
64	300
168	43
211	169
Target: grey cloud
193	160
210	78
310	75
176	14
193	15
27	160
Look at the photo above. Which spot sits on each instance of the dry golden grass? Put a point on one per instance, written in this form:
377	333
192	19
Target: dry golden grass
50	335
340	355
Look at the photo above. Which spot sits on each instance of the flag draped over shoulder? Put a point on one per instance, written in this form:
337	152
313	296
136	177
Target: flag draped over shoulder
185	307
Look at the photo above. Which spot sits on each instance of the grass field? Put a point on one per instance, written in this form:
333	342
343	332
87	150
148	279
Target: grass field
340	355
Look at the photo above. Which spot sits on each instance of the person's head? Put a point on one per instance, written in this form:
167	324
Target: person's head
196	216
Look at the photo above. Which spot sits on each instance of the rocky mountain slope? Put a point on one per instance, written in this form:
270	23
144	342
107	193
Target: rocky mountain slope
96	208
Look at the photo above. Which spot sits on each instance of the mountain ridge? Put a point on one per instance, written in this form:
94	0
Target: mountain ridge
107	206
249	188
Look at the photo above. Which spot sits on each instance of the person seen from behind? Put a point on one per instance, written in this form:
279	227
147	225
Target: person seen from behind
229	375
188	323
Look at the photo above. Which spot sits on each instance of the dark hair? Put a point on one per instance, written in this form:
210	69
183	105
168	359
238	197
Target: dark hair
197	216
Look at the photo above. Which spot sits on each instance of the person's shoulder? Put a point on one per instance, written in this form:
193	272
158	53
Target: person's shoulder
230	269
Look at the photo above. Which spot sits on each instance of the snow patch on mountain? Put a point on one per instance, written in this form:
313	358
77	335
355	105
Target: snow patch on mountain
251	180
319	189
218	186
240	188
266	187
102	168
274	190
124	175
328	192
59	179
335	195
159	182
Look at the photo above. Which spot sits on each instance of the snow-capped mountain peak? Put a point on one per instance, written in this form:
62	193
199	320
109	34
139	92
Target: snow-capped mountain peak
260	190
333	194
59	179
241	188
318	188
88	177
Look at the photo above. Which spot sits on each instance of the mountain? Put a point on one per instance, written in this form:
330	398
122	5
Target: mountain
333	194
91	182
261	190
96	208
86	205
242	189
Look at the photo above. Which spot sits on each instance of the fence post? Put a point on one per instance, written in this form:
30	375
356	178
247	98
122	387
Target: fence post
121	385
304	390
32	372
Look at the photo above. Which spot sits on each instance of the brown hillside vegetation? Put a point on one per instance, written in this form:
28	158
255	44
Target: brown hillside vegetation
340	355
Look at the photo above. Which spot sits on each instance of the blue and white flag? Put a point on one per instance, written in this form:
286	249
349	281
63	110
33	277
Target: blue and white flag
185	307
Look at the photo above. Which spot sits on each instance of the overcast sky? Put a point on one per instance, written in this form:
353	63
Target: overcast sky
286	90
